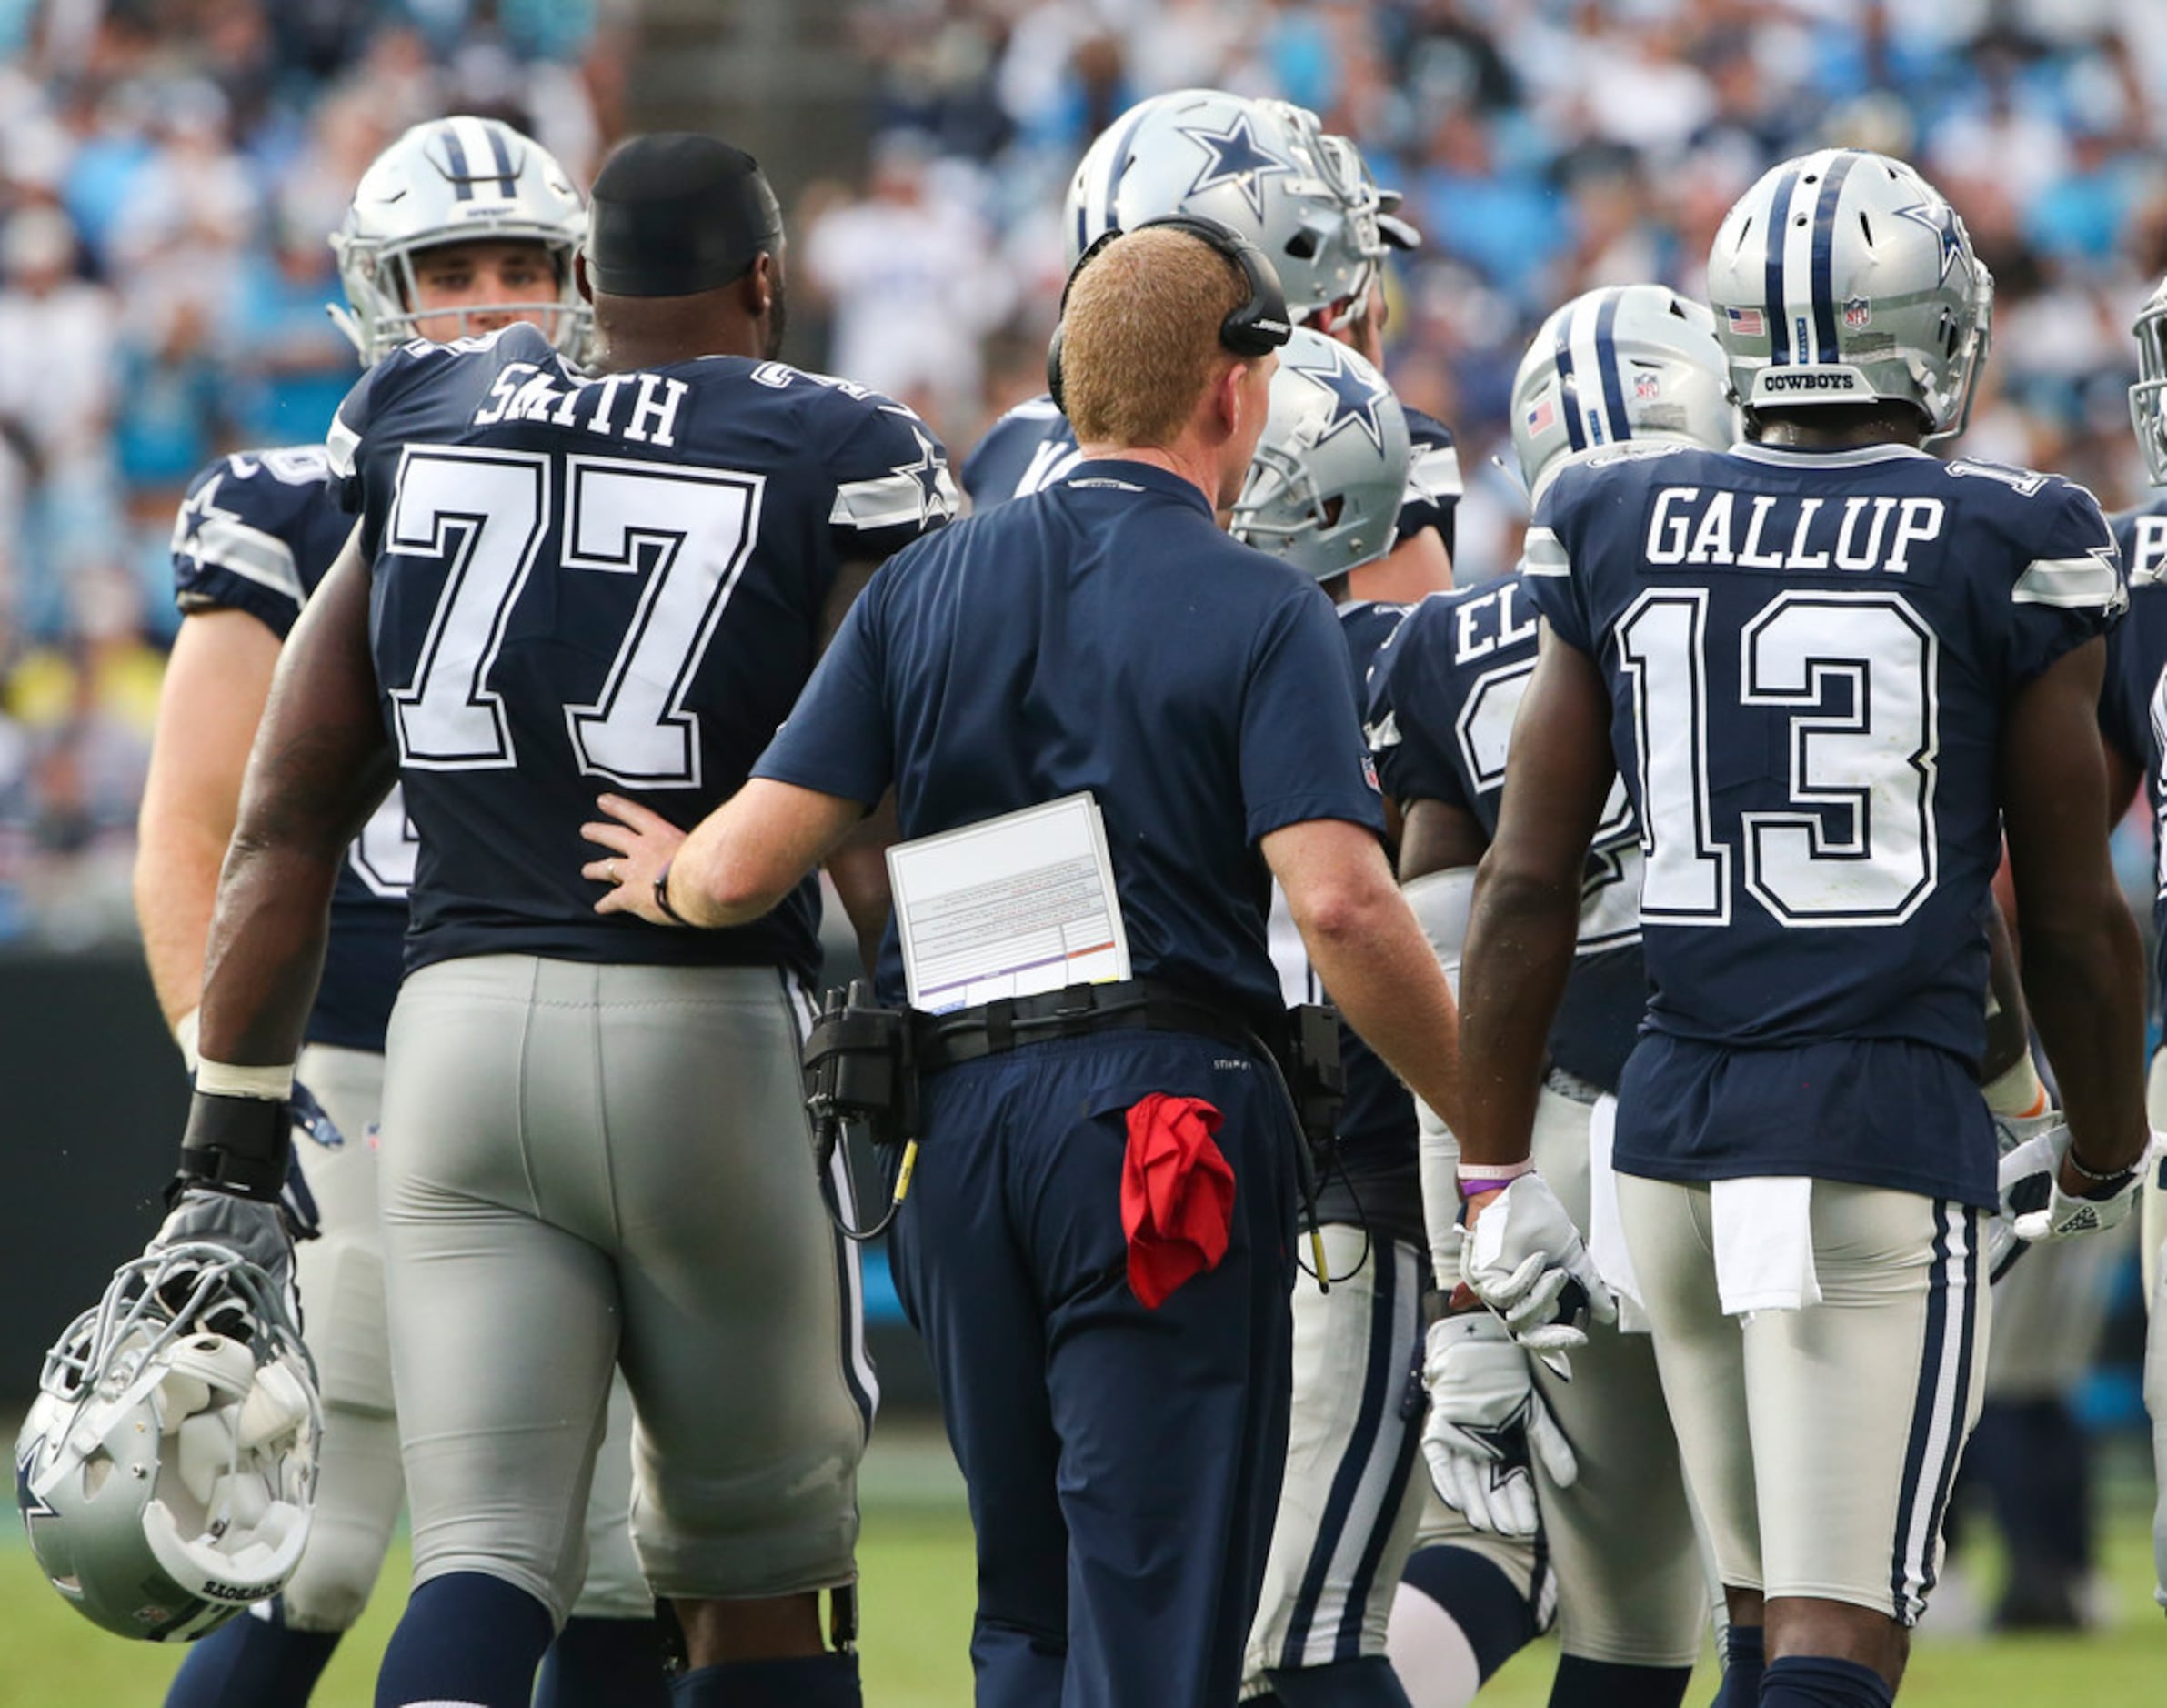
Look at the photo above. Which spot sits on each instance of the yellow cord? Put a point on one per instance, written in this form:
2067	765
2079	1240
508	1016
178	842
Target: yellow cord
903	1173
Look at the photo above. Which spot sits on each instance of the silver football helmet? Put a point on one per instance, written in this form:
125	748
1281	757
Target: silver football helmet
2152	384
1844	277
1626	362
451	180
1267	169
167	1469
1324	490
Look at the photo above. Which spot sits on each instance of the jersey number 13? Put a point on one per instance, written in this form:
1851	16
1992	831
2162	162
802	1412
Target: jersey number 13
1853	844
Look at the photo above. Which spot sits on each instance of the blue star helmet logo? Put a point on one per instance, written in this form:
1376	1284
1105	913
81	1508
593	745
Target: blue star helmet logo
1354	397
33	1505
1235	157
1940	218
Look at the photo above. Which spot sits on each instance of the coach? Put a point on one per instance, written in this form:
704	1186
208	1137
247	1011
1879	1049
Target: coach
1118	1400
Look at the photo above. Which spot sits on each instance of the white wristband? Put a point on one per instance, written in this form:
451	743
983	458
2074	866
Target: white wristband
2019	1092
184	1034
225	1078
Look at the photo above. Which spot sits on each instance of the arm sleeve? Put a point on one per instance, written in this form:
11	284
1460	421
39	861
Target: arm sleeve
1406	710
2071	587
839	738
1554	583
232	546
1433	481
1302	753
2125	695
891	481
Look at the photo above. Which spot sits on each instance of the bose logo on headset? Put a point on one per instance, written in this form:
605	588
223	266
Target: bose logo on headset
1257	325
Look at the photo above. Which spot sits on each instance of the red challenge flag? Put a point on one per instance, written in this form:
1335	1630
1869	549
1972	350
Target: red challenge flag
1177	1194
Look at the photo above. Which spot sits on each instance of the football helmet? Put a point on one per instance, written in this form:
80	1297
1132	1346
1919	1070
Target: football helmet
2152	384
1324	490
167	1468
1267	169
1844	277
1626	362
448	180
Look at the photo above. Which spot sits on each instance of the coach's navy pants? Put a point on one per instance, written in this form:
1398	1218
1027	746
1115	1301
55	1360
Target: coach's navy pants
1123	1463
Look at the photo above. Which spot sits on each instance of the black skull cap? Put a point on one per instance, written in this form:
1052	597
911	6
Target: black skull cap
674	213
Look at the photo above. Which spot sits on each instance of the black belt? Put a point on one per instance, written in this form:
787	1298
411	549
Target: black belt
1078	1011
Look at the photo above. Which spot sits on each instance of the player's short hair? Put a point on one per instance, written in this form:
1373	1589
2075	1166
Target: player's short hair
1140	338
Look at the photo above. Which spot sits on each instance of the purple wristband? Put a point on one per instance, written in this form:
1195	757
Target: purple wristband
1475	1185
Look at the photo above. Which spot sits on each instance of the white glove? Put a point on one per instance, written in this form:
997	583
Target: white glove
1525	1259
1485	1417
2035	1207
246	1226
2011	1133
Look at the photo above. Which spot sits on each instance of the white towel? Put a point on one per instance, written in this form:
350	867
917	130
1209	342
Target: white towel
1606	1228
1764	1228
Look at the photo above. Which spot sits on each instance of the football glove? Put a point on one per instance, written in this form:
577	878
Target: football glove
1485	1419
1525	1259
311	1122
2011	1133
247	1227
2035	1207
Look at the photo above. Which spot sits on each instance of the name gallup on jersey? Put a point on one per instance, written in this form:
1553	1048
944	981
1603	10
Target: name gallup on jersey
1692	525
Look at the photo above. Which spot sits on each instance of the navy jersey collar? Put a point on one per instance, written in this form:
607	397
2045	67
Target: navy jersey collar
1094	475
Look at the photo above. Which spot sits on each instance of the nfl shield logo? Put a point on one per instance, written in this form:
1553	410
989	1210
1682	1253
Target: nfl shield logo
1856	313
1645	385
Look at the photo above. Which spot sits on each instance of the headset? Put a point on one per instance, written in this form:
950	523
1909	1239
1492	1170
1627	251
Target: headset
1257	325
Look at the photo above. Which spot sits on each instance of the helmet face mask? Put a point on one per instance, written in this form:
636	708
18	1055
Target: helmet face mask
167	1470
1330	474
456	181
2151	389
1626	363
1843	277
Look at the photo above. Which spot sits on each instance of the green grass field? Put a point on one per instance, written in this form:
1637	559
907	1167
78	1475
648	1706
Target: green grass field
917	1599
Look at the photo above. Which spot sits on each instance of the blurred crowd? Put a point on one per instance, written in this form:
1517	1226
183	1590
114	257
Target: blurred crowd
169	170
1544	148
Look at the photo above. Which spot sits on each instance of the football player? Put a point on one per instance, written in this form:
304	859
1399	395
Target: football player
1323	493
1268	169
589	1159
1635	366
460	227
1832	670
2133	719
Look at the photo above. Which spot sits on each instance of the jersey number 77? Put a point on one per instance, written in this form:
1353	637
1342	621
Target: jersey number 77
483	513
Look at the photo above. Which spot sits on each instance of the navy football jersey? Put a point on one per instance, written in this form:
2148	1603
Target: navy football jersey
1026	451
1443	694
1106	635
2133	699
1808	657
1033	446
1377	1181
257	532
1433	480
609	583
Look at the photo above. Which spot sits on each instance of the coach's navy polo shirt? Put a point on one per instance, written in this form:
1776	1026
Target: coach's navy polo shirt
1101	634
